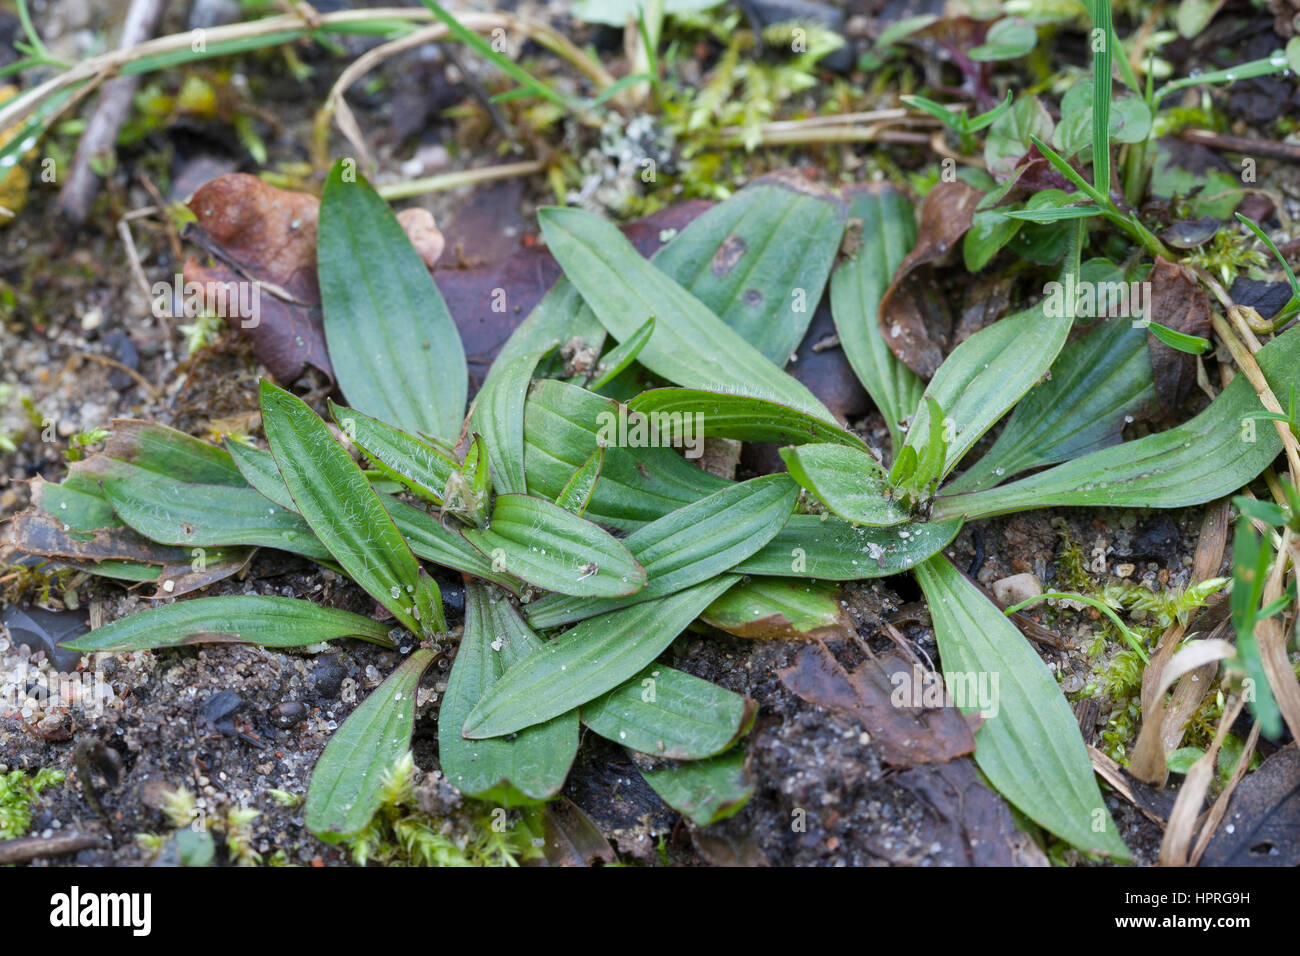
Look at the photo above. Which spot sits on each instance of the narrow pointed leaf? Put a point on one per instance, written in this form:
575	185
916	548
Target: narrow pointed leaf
243	618
826	547
345	512
617	359
562	425
577	493
1030	748
849	482
394	347
526	767
347	780
759	261
205	516
704	791
690	346
1208	457
987	374
499	417
587	660
170	452
538	541
412	462
857	286
669	713
686	414
259	470
689	545
1097	383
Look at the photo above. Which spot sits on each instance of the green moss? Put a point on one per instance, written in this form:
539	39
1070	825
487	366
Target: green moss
400	834
18	793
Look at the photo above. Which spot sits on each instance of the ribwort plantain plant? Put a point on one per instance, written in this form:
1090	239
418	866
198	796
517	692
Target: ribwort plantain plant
584	558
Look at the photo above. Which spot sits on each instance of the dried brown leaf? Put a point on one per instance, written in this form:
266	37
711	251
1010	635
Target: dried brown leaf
914	319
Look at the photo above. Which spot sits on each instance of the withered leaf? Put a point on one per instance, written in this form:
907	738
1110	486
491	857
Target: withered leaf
34	532
571	839
1262	824
1179	302
906	735
260	233
914	319
969	823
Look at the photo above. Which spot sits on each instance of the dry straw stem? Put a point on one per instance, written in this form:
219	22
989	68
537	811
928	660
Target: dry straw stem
95	70
1271	635
1176	846
1163	723
1215	816
336	107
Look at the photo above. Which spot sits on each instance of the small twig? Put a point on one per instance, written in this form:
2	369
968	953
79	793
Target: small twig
105	360
132	256
467	177
1241	144
476	90
26	849
82	184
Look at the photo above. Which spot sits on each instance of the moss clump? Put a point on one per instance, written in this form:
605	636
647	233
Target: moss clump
401	833
18	792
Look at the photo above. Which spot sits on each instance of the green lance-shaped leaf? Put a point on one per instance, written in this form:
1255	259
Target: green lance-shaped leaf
826	547
239	619
345	512
167	451
204	516
425	534
616	361
1097	384
1251	557
704	791
538	541
347	781
394	346
988	373
857	286
499	417
681	416
1208	457
849	482
587	660
259	470
412	462
1029	744
765	606
526	767
433	541
690	346
669	713
576	494
759	261
690	545
562	428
